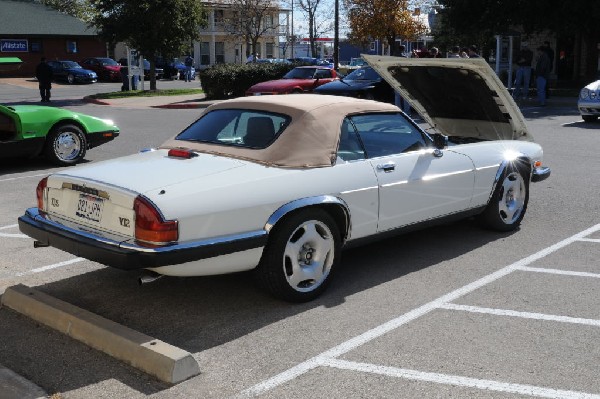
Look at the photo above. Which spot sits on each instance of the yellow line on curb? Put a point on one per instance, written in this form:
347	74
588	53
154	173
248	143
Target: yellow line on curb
166	362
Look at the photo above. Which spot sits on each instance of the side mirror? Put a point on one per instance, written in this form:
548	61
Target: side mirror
440	141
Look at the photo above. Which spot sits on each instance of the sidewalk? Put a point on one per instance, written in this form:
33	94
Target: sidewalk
13	385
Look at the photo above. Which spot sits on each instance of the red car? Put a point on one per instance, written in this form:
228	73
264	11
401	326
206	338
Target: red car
106	68
298	80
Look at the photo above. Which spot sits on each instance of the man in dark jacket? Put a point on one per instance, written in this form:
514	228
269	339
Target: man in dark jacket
524	60
43	73
542	71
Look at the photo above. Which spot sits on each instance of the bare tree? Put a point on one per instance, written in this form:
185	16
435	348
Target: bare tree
320	21
250	20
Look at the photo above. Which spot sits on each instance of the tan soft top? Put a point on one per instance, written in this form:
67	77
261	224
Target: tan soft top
310	140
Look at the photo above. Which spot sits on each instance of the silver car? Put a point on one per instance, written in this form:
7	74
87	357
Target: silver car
589	102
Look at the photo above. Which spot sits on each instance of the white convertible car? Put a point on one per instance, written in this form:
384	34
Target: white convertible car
280	184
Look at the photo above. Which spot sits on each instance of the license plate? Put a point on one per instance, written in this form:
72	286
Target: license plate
89	207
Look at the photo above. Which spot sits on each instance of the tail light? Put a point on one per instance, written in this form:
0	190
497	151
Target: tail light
40	192
150	225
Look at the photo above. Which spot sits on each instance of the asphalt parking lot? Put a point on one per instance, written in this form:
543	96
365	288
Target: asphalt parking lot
447	312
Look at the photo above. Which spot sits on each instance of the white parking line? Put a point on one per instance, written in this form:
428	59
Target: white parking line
393	324
487	385
23	177
10	226
524	315
13	235
596	240
50	267
557	271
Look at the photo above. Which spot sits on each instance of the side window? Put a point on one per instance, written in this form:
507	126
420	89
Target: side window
350	148
387	134
322	73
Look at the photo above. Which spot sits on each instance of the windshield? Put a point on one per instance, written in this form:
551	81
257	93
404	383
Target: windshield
363	74
357	62
108	61
300	73
71	64
236	127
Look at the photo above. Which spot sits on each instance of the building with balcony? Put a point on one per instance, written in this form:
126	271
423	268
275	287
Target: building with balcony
219	42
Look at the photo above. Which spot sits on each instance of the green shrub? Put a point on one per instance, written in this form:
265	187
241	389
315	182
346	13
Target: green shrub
232	80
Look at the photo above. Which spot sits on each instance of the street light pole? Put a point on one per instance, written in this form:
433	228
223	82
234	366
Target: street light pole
336	36
293	37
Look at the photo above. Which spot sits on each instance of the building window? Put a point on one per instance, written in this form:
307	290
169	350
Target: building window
72	47
268	21
269	50
205	53
219	52
218	17
35	46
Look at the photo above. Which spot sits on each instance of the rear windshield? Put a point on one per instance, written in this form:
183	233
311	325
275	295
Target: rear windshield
236	127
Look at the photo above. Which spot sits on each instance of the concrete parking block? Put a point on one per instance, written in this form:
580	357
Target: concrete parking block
166	362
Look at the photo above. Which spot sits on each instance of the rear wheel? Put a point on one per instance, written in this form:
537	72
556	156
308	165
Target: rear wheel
70	79
508	203
301	256
65	145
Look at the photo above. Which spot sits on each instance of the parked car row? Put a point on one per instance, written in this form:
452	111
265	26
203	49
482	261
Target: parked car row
174	69
362	83
93	69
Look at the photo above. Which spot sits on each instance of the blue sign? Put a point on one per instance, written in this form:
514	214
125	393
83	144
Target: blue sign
13	46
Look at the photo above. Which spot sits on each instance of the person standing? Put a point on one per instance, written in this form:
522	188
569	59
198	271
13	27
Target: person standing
548	50
524	60
542	71
455	52
473	52
398	100
189	63
43	73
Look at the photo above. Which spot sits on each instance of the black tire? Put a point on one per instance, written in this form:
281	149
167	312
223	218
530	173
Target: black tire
312	238
70	79
589	118
65	145
508	203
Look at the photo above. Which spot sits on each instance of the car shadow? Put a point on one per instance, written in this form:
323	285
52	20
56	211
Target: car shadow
584	125
69	102
549	112
200	313
24	165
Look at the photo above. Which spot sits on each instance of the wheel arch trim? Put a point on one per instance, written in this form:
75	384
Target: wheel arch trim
519	160
317	201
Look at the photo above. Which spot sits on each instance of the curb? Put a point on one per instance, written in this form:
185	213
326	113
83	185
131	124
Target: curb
166	362
89	99
182	106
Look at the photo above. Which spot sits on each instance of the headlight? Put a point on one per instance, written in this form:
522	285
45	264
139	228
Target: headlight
584	93
593	95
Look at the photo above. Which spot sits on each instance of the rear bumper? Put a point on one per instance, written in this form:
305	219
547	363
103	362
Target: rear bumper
127	254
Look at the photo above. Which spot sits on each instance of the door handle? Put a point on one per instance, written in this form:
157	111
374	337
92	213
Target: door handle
387	167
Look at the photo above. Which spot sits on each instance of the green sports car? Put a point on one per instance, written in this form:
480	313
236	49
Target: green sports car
61	135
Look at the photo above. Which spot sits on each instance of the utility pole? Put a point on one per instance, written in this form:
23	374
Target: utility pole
336	36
